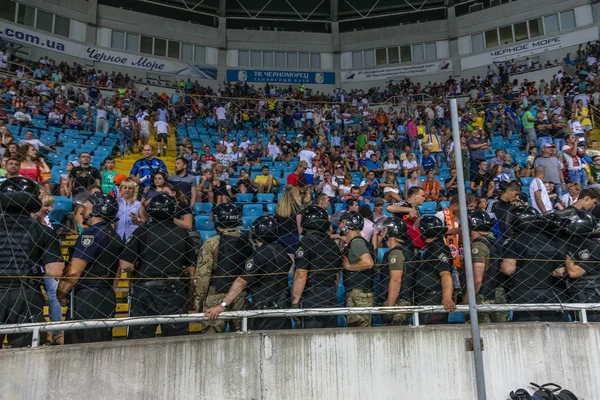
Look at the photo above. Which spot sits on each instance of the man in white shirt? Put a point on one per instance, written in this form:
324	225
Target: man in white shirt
307	154
35	142
245	143
538	193
225	142
22	118
101	119
577	172
221	119
162	132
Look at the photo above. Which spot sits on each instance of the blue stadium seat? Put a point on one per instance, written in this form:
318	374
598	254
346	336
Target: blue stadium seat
380	253
265	197
202	208
252	210
205	235
271	208
247	221
63	203
526	181
444	204
428	208
243	197
204	223
338	207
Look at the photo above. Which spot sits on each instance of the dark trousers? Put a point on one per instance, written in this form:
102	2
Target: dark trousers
431	299
20	304
92	303
533	295
320	297
264	324
158	298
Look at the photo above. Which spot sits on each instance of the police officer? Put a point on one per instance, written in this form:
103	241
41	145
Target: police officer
93	268
157	253
358	269
318	263
486	254
433	277
582	261
219	262
396	276
265	276
530	257
25	246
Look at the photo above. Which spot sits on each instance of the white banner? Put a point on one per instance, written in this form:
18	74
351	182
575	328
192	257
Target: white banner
526	49
382	74
17	33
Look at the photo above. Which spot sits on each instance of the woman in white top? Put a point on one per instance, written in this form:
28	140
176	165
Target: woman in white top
129	210
412	180
410	164
391	164
345	186
144	131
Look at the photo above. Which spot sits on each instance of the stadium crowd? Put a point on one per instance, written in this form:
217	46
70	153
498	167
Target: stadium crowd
321	186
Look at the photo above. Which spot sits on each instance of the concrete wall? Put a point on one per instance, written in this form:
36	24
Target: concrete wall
381	363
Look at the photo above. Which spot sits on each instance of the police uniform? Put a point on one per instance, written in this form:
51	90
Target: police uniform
93	295
436	259
161	250
399	258
266	274
218	264
488	251
537	255
586	288
320	256
358	284
26	247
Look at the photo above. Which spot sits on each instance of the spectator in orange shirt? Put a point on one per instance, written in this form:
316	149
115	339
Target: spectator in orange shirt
431	187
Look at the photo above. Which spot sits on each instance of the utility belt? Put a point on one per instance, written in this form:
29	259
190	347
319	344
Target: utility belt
282	300
93	284
321	285
160	282
12	283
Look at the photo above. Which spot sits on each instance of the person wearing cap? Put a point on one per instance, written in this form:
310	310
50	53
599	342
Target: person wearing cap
575	165
552	167
292	179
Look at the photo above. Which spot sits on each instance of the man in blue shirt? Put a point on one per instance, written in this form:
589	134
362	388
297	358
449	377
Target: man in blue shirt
144	169
427	163
373	165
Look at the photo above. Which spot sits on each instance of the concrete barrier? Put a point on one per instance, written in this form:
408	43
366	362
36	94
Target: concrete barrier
380	363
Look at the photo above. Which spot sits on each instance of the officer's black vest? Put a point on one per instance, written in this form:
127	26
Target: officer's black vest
427	279
359	279
274	283
493	277
106	266
15	234
325	257
234	251
157	235
406	290
534	269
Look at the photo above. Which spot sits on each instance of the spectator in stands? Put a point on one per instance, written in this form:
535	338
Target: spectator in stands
369	187
108	174
33	166
594	181
293	178
432	188
205	188
410	164
568	199
289	217
84	174
392	164
481	184
74	122
574	164
101	118
158	186
22	117
55	118
265	182
253	155
184	181
452	184
538	192
144	168
29	138
244	183
125	131
391	190
10	168
412	180
477	146
328	186
220	184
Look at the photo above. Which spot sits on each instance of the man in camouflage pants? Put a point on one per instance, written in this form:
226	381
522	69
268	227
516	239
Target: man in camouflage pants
220	261
486	252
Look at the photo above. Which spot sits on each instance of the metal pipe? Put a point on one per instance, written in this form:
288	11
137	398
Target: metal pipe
245	324
307	312
416	322
468	264
584	318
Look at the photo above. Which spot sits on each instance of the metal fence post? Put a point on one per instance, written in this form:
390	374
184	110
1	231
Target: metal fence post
468	265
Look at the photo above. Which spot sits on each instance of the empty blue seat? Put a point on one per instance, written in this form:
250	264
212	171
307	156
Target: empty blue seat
271	208
338	207
265	197
247	221
204	223
202	208
63	203
526	181
244	197
380	253
444	204
428	208
205	235
252	210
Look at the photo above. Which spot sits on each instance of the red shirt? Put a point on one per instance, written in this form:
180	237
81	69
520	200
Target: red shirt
292	179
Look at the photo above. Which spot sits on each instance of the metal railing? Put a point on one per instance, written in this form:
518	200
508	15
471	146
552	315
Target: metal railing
38	328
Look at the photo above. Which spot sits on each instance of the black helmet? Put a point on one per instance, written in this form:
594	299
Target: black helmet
265	229
315	219
227	215
432	227
396	228
162	207
524	218
480	221
103	206
578	222
20	194
354	222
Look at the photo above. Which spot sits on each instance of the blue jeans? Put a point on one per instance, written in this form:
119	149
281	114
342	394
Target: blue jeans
54	308
125	140
579	176
559	143
543	140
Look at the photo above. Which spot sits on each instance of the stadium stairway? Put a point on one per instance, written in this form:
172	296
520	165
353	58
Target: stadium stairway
124	166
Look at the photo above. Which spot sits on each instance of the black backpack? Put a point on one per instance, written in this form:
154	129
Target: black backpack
548	391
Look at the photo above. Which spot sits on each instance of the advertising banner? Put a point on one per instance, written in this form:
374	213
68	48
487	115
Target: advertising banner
526	49
243	75
20	34
388	73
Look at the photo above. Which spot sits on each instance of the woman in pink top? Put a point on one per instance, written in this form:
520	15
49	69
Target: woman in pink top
33	167
412	133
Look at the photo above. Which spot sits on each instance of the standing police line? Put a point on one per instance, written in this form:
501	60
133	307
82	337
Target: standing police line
547	260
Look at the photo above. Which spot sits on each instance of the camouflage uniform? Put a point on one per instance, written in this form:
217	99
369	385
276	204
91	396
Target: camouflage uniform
396	261
206	295
491	291
359	284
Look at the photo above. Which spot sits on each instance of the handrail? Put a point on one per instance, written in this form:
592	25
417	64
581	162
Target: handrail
37	328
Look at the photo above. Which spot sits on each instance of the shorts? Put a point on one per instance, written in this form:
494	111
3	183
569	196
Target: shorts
161	137
222	123
531	135
145	134
586	127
